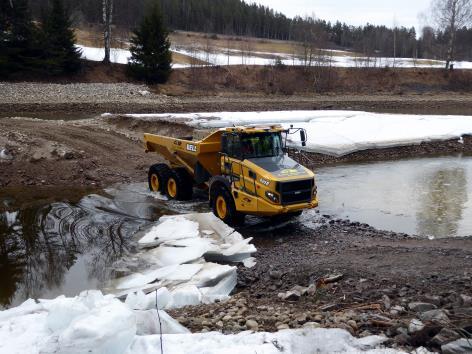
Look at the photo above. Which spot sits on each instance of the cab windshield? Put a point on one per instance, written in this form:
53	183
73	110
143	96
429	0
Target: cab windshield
261	145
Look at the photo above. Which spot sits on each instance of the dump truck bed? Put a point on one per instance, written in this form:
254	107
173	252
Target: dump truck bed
187	152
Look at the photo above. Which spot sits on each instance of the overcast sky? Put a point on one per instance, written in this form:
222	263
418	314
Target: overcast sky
355	12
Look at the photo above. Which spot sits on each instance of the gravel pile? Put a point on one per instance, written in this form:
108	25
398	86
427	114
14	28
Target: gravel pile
74	93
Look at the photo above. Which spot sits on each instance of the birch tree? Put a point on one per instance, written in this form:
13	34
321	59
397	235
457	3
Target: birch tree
449	16
107	21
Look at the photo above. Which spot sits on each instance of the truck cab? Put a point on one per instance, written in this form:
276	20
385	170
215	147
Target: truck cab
264	181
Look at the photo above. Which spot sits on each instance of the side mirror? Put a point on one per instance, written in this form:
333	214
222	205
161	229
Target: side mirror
303	137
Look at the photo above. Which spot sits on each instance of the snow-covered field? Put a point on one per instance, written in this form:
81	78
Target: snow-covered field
338	132
237	57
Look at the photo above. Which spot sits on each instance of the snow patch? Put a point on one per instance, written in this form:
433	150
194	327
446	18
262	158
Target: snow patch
302	341
338	132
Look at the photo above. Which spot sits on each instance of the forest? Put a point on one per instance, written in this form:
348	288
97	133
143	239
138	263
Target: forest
236	17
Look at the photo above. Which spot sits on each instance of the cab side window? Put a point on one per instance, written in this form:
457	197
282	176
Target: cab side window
232	146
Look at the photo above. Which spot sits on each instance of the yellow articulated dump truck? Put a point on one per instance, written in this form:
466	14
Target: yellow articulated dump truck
246	171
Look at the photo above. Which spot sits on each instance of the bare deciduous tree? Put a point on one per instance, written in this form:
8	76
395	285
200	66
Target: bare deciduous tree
107	21
449	16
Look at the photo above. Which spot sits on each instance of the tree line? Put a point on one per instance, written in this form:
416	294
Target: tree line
237	17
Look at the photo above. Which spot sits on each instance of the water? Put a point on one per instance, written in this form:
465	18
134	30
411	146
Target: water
55	242
427	197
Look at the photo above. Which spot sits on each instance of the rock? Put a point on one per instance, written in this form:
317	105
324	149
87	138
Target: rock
311	290
313	325
433	299
275	274
401	339
415	326
219	324
387	302
395	310
252	325
292	295
421	306
352	324
461	346
438	316
445	336
301	319
282	327
466	300
5	155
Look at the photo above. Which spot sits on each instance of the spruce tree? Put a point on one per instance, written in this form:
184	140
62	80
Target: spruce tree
151	58
20	48
62	54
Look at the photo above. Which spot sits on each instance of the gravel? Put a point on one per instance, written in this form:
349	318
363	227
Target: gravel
74	93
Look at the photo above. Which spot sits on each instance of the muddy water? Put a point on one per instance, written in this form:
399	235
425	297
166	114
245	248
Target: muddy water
427	197
55	242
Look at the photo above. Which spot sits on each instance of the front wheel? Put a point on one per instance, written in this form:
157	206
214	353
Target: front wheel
225	209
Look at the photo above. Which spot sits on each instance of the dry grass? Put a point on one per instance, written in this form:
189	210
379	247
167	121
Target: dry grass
92	37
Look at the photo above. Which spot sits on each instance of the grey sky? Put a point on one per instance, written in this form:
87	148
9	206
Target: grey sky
355	12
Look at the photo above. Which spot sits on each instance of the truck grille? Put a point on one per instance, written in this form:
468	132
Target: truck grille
296	192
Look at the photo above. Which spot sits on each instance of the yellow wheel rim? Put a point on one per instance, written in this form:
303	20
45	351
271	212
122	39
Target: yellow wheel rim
172	188
221	208
155	183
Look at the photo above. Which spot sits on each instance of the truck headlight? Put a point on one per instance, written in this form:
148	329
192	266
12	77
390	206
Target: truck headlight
272	197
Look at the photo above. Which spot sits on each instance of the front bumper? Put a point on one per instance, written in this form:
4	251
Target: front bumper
267	209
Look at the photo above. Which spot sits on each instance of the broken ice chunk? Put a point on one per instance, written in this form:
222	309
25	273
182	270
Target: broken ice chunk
165	256
140	301
149	323
249	262
211	274
174	228
185	295
221	290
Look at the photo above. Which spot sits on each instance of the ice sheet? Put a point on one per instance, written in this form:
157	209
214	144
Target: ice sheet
340	132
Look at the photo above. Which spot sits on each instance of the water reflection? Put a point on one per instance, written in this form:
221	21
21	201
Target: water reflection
48	249
442	202
426	197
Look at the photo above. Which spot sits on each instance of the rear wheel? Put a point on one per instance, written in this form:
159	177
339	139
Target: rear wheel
179	184
224	208
157	177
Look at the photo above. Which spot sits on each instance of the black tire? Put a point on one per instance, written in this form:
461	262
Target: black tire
183	184
232	217
162	172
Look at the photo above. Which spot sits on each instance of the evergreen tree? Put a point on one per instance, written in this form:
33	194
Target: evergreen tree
150	49
59	40
20	49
